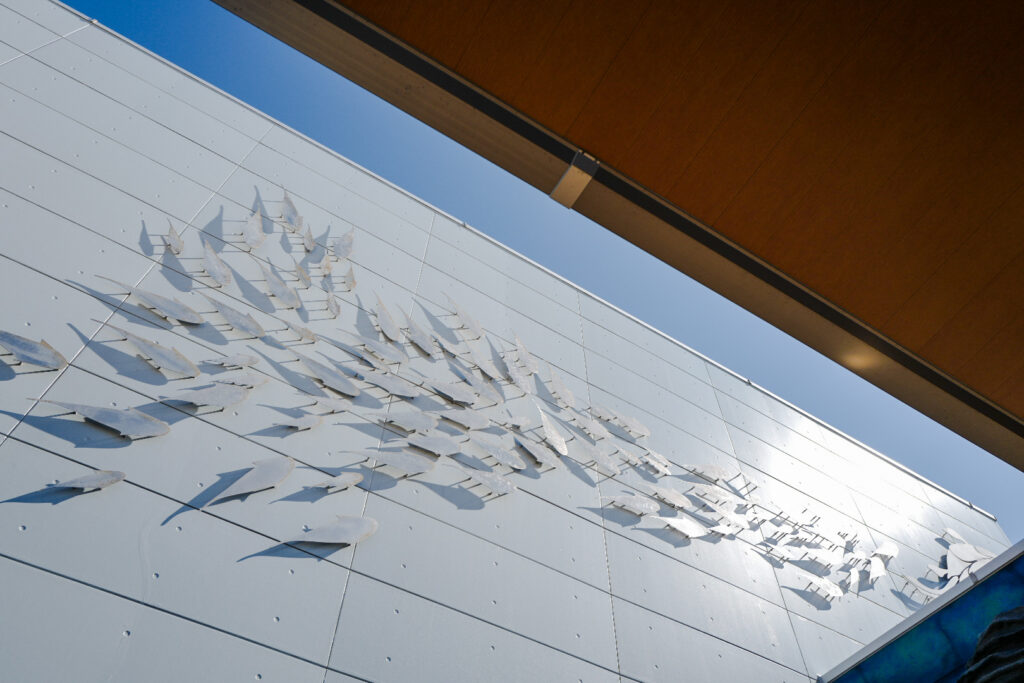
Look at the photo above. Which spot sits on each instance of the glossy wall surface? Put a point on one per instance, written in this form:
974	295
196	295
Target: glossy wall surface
103	147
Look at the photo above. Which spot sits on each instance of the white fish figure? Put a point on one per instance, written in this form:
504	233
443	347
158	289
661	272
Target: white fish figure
539	452
672	497
214	267
657	463
526	361
466	417
287	296
418	336
685	526
264	474
635	427
493	482
518	377
385	352
243	322
386	323
465	320
631	502
344	531
238	360
301	424
173	240
171	309
483	388
876	569
332	405
340	482
408	463
436	443
887	550
307	240
333	306
454	392
412	421
325	264
303	275
330	377
38	353
485	365
302	332
248	379
561	391
593	428
606	463
823	586
290	215
218	395
504	456
127	422
160	357
252	231
551	435
446	346
343	245
391	383
100	479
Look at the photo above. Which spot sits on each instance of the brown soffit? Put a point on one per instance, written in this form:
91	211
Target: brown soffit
924	374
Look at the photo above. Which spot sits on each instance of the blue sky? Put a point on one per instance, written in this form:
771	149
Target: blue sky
241	60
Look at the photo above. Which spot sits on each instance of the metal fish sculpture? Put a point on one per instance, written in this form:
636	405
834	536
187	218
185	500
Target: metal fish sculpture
343	245
252	231
172	240
418	336
465	320
330	377
386	323
287	296
159	356
128	422
243	322
32	352
345	531
289	214
100	479
172	309
217	395
214	267
264	474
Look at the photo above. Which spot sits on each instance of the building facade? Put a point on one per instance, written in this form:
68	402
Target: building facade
272	345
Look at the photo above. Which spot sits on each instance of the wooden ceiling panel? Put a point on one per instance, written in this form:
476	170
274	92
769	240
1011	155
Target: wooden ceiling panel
661	47
704	89
998	306
440	28
998	360
955	171
583	45
1009	393
824	33
831	145
846	215
989	247
510	27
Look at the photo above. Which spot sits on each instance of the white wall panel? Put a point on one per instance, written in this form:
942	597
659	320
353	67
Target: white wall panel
90	635
103	143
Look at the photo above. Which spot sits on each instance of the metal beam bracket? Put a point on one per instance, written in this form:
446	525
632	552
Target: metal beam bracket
575	179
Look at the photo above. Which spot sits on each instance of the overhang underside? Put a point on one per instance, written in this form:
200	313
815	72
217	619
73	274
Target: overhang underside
852	173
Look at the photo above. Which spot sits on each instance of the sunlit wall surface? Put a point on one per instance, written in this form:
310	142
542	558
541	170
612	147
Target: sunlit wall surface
778	520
